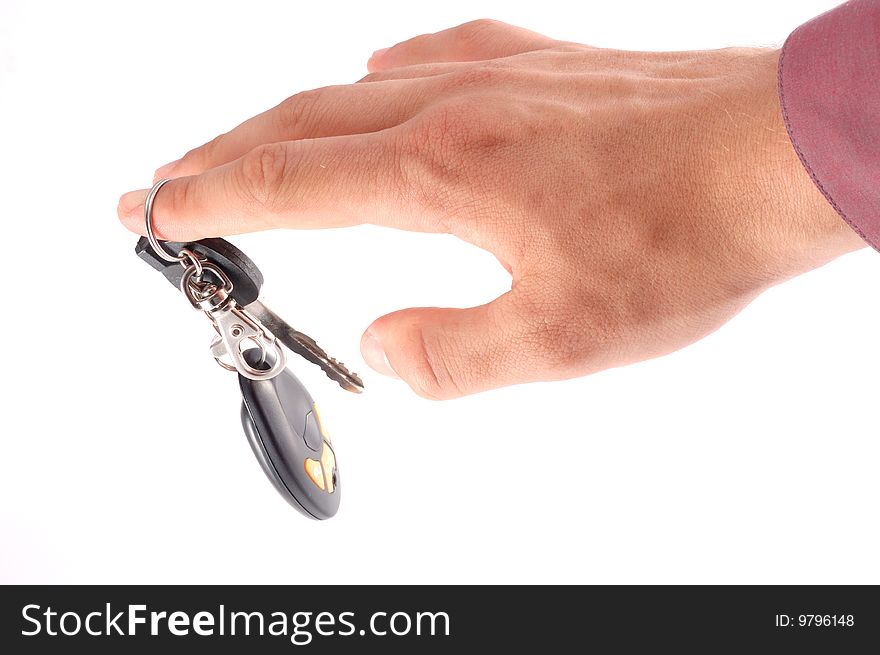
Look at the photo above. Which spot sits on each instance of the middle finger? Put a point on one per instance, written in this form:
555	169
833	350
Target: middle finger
330	111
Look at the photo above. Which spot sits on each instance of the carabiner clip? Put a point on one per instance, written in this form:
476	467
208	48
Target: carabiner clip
237	330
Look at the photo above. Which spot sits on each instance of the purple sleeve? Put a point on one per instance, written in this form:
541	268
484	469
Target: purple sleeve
829	87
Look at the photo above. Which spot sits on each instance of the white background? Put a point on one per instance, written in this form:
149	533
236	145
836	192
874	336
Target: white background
749	457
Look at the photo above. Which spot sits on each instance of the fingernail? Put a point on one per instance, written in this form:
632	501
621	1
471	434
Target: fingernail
374	355
379	53
166	170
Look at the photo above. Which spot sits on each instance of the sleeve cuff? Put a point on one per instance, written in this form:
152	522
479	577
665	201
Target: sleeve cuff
829	89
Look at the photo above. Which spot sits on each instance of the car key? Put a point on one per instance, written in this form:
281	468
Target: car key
247	281
279	416
306	347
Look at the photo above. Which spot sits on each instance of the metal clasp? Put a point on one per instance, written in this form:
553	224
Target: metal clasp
236	328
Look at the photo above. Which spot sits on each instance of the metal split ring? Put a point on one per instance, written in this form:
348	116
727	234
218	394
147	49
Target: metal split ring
148	223
190	259
193	274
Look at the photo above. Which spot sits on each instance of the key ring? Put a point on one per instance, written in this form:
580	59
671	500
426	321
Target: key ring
148	223
194	261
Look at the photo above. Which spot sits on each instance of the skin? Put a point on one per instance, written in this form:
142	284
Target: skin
638	200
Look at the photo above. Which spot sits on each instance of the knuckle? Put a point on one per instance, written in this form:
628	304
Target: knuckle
297	113
482	75
206	154
263	172
447	154
372	77
180	198
433	158
399	51
441	128
556	338
211	150
172	207
476	32
559	345
569	48
432	377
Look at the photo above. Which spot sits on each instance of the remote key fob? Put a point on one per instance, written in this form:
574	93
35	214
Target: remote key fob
246	278
285	432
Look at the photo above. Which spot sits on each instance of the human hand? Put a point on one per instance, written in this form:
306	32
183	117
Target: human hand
638	200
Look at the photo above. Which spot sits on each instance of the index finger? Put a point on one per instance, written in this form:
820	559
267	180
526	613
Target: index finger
313	183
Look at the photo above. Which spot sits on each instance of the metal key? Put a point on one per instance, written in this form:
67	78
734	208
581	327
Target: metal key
304	346
246	282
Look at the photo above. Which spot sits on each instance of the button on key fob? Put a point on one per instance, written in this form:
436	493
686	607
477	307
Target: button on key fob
285	431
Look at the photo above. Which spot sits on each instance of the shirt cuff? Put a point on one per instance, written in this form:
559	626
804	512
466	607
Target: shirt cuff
829	89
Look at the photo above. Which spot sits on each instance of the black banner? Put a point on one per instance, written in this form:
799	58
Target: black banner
101	619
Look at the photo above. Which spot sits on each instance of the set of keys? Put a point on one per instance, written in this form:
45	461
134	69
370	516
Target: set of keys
279	417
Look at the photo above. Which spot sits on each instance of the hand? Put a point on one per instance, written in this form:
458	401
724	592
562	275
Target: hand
638	200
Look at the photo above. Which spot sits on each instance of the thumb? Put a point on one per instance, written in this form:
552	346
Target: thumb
446	353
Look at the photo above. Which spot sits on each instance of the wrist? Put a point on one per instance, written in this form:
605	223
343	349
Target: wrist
797	228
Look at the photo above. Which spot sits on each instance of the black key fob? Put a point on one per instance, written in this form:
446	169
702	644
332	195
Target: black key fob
246	278
286	434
